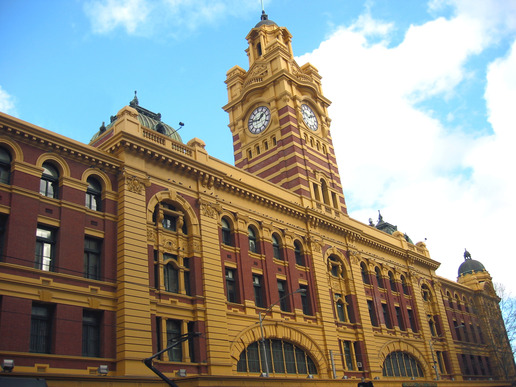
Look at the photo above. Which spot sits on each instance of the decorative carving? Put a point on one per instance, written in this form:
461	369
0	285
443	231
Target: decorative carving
208	209
354	257
259	71
169	244
194	246
136	185
151	235
207	181
315	244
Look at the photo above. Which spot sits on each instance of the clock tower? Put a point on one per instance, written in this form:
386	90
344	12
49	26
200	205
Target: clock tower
279	120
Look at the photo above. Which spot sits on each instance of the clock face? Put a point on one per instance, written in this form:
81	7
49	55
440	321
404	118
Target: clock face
309	117
259	119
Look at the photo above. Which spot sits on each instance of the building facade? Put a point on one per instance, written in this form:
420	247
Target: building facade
112	250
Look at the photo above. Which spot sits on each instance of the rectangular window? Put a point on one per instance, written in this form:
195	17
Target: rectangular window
372	313
3	224
92	251
171	276
349	308
231	285
431	325
457	329
341	315
45	249
334	200
386	316
173	332
440	361
41	328
90	333
411	320
191	347
348	355
169	222
156	270
399	319
358	355
282	292
316	191
258	292
186	275
305	300
465	365
159	335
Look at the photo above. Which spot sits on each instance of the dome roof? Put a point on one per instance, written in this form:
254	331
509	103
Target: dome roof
470	265
147	119
265	21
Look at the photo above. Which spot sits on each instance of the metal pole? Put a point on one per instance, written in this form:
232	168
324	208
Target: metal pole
435	361
261	327
333	365
263	346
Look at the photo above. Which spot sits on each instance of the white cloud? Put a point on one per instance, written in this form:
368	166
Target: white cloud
6	102
432	180
172	17
107	15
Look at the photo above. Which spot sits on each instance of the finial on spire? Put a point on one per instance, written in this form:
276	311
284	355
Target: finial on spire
263	9
467	255
134	102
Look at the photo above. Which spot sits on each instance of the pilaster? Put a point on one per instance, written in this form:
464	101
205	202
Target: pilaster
133	330
218	346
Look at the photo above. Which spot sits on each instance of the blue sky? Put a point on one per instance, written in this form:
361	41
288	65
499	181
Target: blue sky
423	116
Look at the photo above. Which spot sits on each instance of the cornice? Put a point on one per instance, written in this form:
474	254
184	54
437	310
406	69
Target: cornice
45	139
262	81
358	236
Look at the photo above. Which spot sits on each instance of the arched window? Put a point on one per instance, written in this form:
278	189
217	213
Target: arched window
392	282
171	276
5	166
283	358
379	278
93	194
176	273
276	248
450	299
298	252
365	275
341	308
49	182
253	246
325	194
457	300
425	292
404	285
465	303
226	232
402	364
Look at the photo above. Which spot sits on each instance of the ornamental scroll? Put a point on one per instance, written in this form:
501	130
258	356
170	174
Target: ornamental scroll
136	185
209	209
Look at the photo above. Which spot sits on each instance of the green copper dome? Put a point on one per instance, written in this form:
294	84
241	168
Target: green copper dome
147	119
470	265
265	21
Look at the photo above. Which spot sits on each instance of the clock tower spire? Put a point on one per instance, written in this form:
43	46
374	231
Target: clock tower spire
279	120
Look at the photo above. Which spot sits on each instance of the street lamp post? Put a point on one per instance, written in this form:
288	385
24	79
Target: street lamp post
261	316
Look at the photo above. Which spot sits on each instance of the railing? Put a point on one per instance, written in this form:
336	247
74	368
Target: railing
162	140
